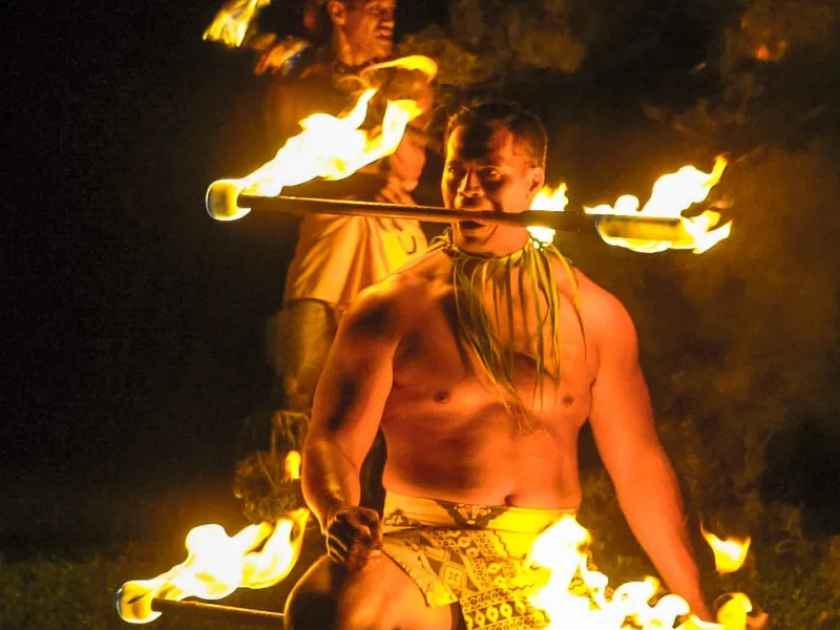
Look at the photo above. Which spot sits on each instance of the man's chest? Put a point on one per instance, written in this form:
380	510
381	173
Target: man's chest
434	364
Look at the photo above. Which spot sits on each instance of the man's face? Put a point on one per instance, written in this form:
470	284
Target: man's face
487	169
369	27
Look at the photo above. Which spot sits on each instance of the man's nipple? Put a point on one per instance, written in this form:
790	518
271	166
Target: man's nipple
441	396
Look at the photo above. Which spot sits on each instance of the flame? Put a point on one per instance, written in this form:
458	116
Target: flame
258	556
576	596
733	614
774	52
672	194
333	147
230	26
547	199
730	553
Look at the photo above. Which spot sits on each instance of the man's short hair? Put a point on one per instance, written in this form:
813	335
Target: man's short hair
525	126
316	18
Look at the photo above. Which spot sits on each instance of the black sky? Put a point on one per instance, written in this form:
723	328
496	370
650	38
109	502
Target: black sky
132	319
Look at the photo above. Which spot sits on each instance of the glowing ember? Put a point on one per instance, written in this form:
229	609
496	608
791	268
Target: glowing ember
548	199
330	147
258	556
771	53
576	596
231	23
730	553
671	195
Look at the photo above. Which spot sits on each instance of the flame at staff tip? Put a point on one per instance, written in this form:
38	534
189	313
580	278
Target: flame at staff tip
552	200
575	596
672	194
258	556
730	553
331	147
230	26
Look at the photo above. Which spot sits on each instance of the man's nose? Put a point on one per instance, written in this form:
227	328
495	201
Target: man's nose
470	183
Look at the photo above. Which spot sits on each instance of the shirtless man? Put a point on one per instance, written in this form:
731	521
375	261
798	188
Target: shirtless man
476	435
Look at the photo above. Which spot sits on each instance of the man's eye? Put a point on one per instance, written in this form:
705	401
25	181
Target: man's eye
491	174
379	11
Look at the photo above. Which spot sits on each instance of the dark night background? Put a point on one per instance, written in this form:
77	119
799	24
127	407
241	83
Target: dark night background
133	322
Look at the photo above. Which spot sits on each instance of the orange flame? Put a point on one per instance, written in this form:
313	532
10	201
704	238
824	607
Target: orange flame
733	614
730	553
230	26
330	147
258	556
672	194
576	596
554	200
766	53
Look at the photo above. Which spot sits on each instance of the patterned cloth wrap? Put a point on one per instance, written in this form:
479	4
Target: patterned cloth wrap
475	555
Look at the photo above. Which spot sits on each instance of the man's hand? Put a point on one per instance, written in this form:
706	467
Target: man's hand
276	54
394	192
354	535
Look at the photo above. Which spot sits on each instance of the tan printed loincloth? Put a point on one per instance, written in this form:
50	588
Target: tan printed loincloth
471	554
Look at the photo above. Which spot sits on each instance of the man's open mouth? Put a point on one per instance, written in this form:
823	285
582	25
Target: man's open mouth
470	225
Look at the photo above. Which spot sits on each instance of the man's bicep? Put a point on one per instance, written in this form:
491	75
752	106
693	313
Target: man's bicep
406	164
354	385
621	416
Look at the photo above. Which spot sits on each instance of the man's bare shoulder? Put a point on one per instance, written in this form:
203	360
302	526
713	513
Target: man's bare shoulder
432	267
605	319
388	308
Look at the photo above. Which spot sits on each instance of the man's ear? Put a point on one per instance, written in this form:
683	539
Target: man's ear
337	11
536	181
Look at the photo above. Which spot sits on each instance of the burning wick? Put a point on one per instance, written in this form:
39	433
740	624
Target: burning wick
258	556
330	147
672	194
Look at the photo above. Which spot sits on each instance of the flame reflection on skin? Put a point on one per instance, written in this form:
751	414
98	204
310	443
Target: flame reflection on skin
576	596
258	556
672	194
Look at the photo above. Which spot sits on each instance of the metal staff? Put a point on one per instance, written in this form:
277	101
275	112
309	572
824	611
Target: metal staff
226	203
217	612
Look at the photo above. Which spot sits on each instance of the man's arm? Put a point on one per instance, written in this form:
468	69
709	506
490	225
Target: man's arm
346	413
403	169
622	424
405	165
